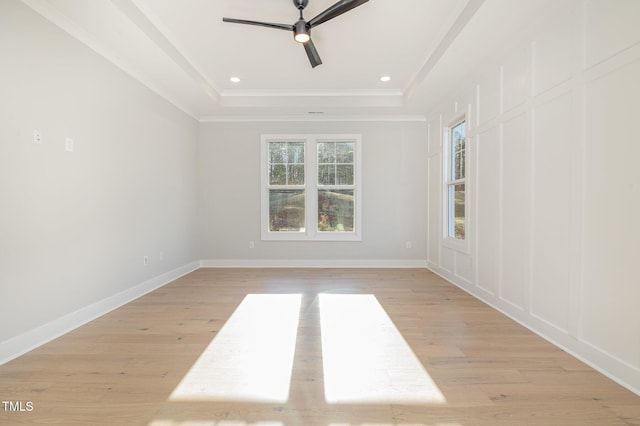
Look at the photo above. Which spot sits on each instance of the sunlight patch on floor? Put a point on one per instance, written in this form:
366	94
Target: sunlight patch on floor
365	358
251	357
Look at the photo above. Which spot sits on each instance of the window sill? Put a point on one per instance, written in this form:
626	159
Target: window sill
461	246
295	236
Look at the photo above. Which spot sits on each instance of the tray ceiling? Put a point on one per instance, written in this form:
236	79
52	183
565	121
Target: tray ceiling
183	51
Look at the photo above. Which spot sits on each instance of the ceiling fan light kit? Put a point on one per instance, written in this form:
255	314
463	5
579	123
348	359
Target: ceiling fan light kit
302	29
301	32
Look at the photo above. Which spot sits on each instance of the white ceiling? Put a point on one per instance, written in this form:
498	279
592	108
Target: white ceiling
182	50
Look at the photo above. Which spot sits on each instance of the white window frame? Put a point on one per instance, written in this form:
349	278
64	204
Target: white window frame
448	209
311	186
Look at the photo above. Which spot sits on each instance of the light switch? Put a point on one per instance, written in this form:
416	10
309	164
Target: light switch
37	137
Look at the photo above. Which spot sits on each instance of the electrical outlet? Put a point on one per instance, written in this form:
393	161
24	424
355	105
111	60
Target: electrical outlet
68	145
161	256
37	137
252	244
408	244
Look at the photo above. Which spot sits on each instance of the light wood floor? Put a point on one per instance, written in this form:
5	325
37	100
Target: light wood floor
125	367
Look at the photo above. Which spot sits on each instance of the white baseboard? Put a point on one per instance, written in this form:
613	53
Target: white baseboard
23	343
313	263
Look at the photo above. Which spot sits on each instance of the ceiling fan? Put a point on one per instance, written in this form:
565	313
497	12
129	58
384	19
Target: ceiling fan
302	29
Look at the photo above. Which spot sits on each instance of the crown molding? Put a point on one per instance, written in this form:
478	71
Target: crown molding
312	98
416	118
48	11
445	42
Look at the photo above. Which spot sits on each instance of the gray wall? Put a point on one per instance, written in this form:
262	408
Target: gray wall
394	208
74	227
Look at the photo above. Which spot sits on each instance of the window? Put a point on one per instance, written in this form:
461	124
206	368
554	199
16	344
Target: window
456	181
311	187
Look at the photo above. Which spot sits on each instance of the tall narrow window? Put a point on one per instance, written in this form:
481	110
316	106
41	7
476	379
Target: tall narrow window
456	182
311	187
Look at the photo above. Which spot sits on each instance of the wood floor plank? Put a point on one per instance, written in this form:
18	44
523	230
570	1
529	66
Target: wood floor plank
125	367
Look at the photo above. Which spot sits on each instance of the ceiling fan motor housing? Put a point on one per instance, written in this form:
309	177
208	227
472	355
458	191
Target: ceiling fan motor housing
300	4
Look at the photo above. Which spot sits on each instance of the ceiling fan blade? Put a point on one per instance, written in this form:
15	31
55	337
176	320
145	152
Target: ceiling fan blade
336	10
259	24
312	53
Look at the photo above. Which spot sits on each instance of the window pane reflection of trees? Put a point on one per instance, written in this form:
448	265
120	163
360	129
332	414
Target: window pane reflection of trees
286	210
335	163
459	211
286	163
335	210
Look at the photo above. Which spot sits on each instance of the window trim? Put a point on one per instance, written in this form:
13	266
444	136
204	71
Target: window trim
448	182
311	186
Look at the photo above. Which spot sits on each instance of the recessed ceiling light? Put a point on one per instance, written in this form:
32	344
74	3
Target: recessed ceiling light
385	78
235	79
